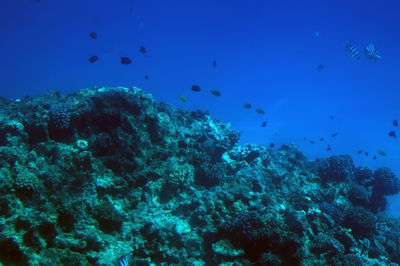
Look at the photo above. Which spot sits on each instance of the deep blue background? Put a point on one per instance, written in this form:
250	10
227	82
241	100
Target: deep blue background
267	54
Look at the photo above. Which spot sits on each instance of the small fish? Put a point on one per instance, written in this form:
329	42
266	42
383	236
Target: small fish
271	145
370	52
334	135
382	152
351	50
305	138
312	142
359	152
392	134
366	153
142	49
146	77
215	92
196	88
260	111
395	123
321	139
214	63
374	158
264	124
93	58
124	261
247	106
328	148
93	35
320	68
125	60
331	117
182	98
276	133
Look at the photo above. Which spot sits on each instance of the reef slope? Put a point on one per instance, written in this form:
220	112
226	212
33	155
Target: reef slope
106	176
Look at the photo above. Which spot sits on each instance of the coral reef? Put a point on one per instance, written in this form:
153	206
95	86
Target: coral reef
107	176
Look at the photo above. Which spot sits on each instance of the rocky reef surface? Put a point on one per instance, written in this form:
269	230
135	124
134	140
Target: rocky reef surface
106	176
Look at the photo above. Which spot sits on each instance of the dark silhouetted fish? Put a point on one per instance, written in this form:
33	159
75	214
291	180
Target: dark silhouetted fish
93	58
271	145
359	152
214	63
126	60
146	77
351	50
331	117
215	92
320	68
305	138
321	139
395	123
196	88
312	141
374	158
260	111
247	106
382	152
366	153
93	35
264	124
328	148
392	134
142	49
334	135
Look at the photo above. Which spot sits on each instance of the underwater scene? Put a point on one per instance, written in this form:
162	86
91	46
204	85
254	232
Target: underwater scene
198	132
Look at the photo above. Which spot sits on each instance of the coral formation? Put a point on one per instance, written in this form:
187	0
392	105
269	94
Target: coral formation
107	176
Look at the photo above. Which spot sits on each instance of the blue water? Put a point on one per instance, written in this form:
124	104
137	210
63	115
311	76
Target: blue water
267	54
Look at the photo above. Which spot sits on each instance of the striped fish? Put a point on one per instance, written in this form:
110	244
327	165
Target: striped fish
370	52
125	260
351	50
